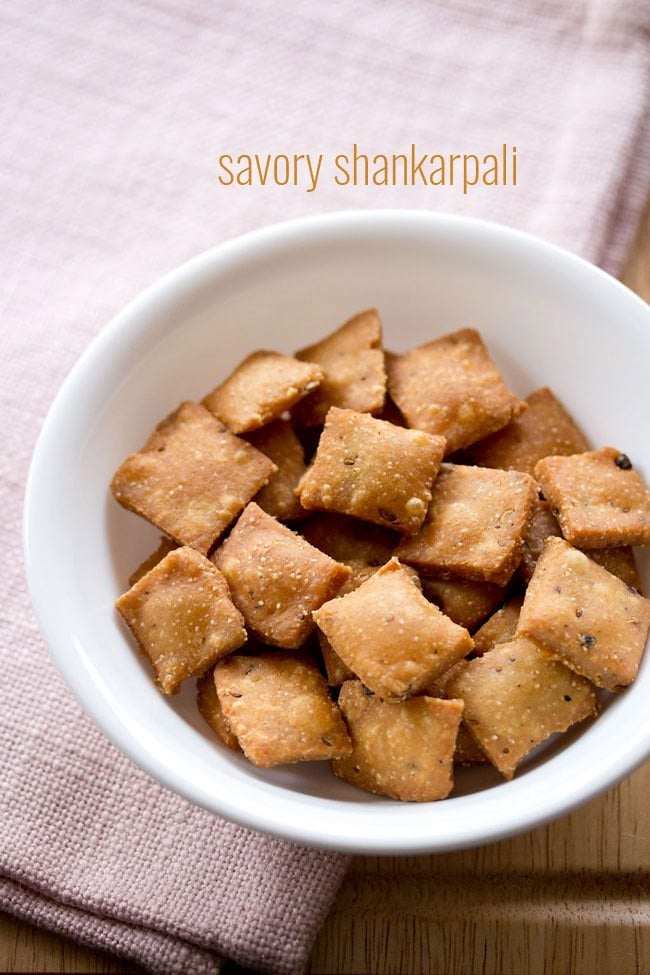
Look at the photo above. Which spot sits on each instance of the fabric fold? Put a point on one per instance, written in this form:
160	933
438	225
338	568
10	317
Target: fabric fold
151	949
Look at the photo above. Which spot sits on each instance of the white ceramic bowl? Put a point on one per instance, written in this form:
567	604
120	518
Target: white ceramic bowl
548	318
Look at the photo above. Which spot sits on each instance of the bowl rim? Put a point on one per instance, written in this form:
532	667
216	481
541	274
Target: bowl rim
88	694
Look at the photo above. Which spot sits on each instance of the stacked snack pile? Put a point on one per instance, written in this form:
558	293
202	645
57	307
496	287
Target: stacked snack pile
458	583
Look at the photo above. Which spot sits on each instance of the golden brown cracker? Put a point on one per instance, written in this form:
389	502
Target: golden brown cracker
620	562
262	387
338	671
403	750
280	710
543	525
276	577
279	443
598	498
350	540
475	526
438	686
208	703
451	387
466	603
166	546
354	376
467	751
500	628
192	477
390	635
391	414
515	697
584	615
372	470
182	616
542	430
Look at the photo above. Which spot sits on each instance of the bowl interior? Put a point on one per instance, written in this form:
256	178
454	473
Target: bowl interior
548	319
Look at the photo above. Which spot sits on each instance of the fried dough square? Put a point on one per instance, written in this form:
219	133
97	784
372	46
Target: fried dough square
373	470
182	616
261	389
500	628
598	498
390	413
438	686
585	616
620	561
338	671
516	697
210	708
390	635
466	603
467	751
402	750
450	387
476	524
352	361
350	540
279	708
166	546
192	477
279	443
542	430
276	578
543	525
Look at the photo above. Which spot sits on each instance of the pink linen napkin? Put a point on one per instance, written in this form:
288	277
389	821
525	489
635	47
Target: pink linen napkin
113	118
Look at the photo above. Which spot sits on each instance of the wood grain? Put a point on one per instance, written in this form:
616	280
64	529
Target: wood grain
572	897
24	948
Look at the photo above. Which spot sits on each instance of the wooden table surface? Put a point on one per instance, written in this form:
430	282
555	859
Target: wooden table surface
572	897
